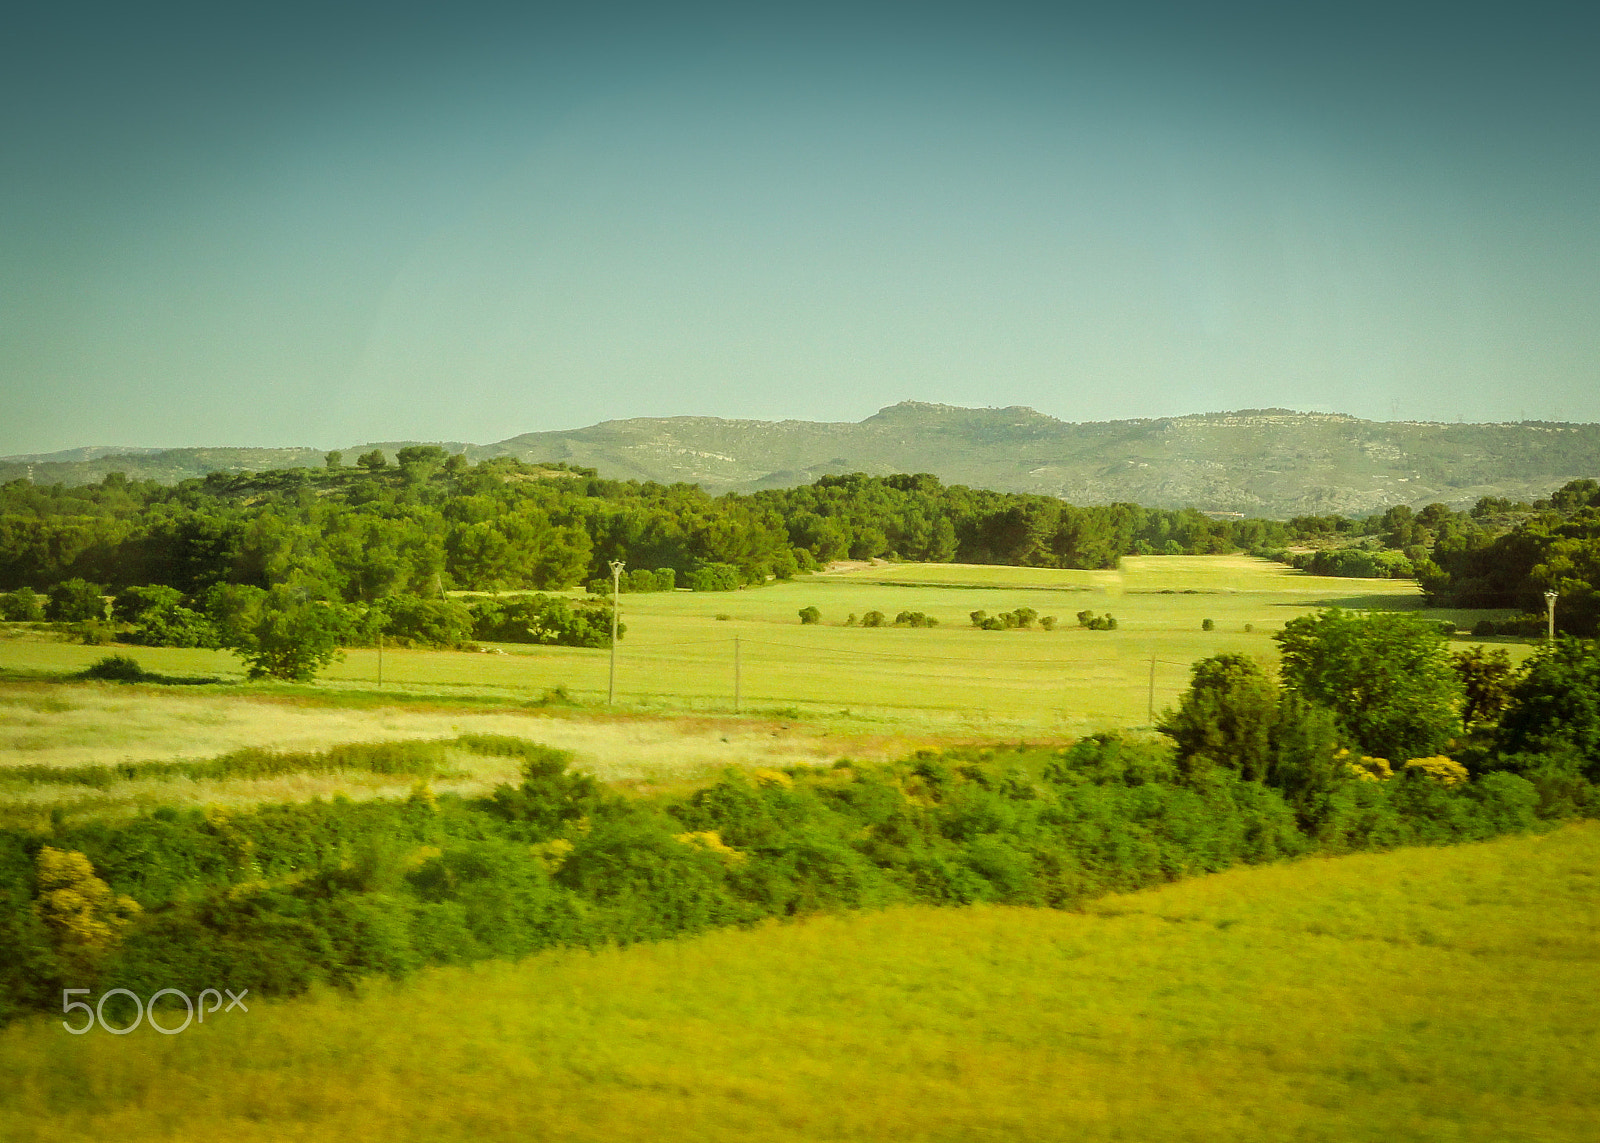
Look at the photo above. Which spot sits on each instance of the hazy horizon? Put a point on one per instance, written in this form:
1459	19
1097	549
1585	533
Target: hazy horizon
315	227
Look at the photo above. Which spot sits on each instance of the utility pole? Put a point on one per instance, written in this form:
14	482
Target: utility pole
736	674
1550	609
616	592
1151	709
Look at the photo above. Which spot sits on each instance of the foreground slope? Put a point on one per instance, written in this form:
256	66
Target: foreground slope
1416	995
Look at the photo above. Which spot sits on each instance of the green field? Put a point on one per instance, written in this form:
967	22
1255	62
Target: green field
1420	995
679	652
809	694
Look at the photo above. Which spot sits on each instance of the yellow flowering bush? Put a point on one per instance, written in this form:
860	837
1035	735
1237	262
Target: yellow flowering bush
1366	768
1445	771
552	853
83	915
712	840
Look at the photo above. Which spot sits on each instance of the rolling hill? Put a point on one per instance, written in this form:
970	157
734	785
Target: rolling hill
1266	462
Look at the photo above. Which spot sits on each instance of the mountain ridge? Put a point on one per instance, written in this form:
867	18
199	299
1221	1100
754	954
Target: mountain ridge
1267	462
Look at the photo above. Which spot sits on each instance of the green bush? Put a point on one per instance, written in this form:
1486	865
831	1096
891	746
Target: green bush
76	601
810	616
714	577
22	606
116	668
279	899
414	622
544	619
637	580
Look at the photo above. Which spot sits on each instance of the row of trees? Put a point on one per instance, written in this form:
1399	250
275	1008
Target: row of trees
282	633
436	522
1498	554
1362	696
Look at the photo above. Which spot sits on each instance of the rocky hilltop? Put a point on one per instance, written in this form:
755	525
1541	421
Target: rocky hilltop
1269	462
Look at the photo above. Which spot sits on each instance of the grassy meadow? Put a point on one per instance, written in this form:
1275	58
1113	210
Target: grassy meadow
679	651
809	694
1418	995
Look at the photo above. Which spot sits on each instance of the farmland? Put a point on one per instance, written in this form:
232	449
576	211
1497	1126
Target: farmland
679	650
1447	991
1437	994
810	694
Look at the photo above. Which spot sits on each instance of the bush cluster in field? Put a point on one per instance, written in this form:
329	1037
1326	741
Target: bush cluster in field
875	619
1022	618
278	898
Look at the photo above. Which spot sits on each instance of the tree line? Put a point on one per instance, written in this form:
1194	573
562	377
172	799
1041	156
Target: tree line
434	522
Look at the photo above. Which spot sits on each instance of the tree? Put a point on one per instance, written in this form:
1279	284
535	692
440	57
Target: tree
24	605
334	459
1555	706
1225	718
1486	679
810	615
292	639
372	461
76	601
1387	676
418	462
1233	716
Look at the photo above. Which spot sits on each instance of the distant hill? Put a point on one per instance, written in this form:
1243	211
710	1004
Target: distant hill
1266	462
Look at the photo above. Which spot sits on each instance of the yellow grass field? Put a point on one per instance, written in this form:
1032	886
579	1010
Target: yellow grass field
1424	995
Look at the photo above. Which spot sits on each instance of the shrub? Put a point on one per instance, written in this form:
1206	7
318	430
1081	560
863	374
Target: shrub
1048	622
76	601
1554	708
93	632
416	622
714	577
1208	625
545	619
116	668
22	606
637	580
160	619
810	616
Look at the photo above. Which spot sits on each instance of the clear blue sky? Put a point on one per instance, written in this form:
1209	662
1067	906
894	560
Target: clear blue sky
329	224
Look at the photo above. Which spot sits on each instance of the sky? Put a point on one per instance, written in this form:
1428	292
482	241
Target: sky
329	224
